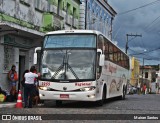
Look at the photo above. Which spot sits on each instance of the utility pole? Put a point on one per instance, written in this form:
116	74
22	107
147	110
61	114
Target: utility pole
135	35
142	70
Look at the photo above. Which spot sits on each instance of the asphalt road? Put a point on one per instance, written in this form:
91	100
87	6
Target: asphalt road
114	110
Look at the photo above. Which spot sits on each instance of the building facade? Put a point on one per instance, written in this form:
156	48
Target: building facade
146	75
97	15
23	24
135	65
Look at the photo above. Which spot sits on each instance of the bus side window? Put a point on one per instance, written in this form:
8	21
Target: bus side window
119	58
115	50
100	42
111	52
106	49
122	60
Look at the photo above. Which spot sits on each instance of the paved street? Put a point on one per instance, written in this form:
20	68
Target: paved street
134	104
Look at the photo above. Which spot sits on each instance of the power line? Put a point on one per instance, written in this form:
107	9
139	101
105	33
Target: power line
146	51
147	27
139	7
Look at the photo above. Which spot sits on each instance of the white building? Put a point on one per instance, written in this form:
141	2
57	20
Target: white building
22	26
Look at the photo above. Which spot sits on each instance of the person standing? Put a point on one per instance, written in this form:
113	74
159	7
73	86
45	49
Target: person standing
13	77
29	86
138	88
23	82
144	89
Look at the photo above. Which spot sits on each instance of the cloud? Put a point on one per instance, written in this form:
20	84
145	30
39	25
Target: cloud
143	21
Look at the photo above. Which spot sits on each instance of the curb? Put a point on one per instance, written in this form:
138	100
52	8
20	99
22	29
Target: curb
8	105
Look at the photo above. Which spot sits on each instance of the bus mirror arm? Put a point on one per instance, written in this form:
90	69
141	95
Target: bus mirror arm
99	51
37	48
35	58
35	55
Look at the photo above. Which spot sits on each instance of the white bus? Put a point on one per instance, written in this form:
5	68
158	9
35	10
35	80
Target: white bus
81	65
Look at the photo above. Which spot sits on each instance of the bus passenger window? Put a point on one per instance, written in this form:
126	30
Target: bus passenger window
106	49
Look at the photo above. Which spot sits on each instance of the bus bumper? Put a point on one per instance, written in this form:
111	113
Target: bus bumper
76	96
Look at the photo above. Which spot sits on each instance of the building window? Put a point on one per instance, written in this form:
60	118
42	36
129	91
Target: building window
146	74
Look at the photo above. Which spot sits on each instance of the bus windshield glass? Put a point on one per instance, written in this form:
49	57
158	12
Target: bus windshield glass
68	64
76	40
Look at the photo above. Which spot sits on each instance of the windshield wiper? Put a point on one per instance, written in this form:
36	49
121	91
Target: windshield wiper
75	75
65	66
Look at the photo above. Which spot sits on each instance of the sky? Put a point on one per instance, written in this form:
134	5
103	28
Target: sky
141	17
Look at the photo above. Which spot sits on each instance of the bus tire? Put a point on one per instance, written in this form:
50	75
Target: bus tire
58	103
101	102
123	93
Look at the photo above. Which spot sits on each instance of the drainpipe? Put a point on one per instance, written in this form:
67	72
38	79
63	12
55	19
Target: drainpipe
86	14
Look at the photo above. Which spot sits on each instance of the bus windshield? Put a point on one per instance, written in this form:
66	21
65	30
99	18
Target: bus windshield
76	40
68	64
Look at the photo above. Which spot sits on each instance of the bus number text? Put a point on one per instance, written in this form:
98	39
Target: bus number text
45	83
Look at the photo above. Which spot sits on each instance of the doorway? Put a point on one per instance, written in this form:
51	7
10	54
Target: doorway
21	69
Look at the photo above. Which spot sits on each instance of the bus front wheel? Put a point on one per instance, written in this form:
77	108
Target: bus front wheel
101	102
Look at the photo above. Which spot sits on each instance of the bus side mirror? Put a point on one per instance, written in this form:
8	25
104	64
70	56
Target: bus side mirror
101	60
35	58
101	57
35	55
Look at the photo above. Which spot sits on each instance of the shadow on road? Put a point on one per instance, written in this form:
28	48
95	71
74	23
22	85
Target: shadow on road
77	104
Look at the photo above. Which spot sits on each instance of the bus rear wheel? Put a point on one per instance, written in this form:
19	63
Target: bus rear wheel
123	93
58	103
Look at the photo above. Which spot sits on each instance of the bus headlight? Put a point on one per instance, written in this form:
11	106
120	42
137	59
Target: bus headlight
44	88
88	88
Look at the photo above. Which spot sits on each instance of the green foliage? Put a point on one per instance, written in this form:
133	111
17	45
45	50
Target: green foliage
49	28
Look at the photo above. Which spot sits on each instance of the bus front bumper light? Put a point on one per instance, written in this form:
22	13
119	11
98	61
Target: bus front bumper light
41	95
91	96
44	88
88	88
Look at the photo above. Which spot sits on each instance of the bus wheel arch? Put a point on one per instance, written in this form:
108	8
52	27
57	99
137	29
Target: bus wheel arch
103	98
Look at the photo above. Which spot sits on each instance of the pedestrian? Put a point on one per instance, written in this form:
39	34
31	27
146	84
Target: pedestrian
13	78
29	86
23	78
36	97
144	89
138	88
23	82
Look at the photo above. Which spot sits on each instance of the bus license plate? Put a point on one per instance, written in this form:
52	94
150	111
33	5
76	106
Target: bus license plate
64	95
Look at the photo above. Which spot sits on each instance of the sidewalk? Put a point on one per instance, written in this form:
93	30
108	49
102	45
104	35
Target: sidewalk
8	104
